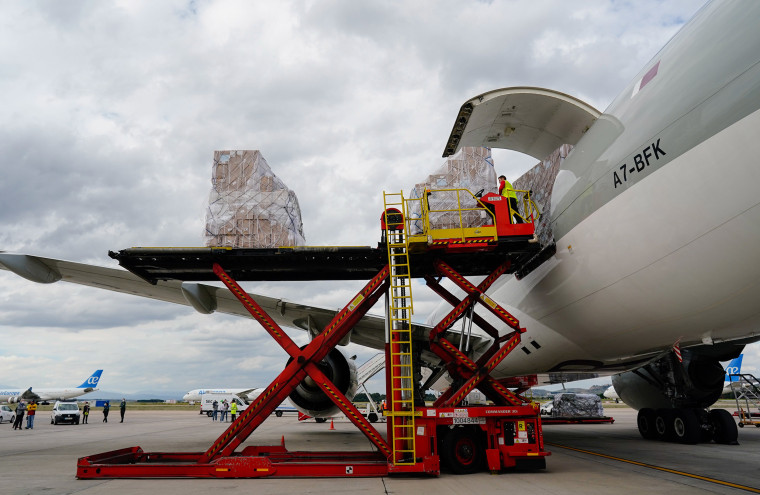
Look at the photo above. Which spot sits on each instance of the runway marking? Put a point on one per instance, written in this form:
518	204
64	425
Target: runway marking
658	468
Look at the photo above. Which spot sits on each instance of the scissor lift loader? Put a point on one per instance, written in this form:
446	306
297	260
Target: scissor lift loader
419	437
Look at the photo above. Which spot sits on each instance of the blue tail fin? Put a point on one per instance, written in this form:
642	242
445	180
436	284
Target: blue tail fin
92	381
734	368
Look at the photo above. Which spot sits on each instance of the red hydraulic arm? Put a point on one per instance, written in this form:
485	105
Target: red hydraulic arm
304	362
474	374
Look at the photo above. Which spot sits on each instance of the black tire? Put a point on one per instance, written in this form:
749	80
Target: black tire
461	451
209	413
686	428
76	422
320	420
55	421
645	422
13	419
278	414
663	423
372	417
724	427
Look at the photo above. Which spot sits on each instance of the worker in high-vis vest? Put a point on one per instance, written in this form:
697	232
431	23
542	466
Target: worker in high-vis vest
505	189
233	410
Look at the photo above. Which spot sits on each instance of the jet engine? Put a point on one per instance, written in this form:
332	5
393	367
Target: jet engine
12	399
311	400
696	382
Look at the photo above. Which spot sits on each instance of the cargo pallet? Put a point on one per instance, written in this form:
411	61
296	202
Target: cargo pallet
419	438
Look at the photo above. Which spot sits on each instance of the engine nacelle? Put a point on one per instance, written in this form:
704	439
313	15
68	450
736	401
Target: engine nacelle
696	382
12	399
309	398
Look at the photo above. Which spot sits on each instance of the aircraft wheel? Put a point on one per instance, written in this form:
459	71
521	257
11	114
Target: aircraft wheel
320	420
725	430
663	423
461	451
278	414
686	426
645	422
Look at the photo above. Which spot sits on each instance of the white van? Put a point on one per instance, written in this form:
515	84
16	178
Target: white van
207	403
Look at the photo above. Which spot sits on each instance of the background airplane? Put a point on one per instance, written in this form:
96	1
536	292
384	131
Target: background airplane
88	386
246	393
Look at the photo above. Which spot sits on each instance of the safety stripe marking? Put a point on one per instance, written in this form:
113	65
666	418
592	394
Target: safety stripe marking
659	468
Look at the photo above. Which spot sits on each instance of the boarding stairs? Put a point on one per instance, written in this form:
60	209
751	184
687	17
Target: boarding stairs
746	389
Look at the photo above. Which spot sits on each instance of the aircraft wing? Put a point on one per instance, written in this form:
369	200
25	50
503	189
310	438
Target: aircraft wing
369	332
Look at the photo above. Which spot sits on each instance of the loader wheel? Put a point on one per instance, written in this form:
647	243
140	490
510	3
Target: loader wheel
461	451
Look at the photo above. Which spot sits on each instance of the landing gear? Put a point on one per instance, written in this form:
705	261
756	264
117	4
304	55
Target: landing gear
686	428
724	427
663	423
645	422
687	425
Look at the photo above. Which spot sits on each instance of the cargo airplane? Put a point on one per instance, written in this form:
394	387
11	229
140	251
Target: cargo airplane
89	385
654	237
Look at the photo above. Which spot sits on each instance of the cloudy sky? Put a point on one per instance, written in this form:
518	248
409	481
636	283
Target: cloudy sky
112	112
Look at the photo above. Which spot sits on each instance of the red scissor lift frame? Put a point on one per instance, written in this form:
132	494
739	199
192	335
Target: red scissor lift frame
511	429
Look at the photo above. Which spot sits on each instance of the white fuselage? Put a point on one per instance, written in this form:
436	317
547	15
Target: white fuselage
665	254
675	258
46	395
198	393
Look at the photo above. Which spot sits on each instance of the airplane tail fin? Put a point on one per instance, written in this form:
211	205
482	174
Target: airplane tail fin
92	381
734	367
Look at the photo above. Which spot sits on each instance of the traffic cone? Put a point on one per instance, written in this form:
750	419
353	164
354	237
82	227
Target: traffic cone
332	425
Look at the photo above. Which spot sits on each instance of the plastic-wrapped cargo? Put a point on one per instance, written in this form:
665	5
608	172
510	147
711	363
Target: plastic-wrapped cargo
470	168
577	406
249	207
540	180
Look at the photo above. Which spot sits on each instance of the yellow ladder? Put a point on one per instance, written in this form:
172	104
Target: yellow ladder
400	339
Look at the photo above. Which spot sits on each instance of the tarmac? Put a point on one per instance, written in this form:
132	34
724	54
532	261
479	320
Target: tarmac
587	459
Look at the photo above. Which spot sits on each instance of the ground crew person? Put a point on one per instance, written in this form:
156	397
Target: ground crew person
31	409
505	189
233	410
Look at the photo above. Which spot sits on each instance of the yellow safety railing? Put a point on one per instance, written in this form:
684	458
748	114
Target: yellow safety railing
530	212
457	214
